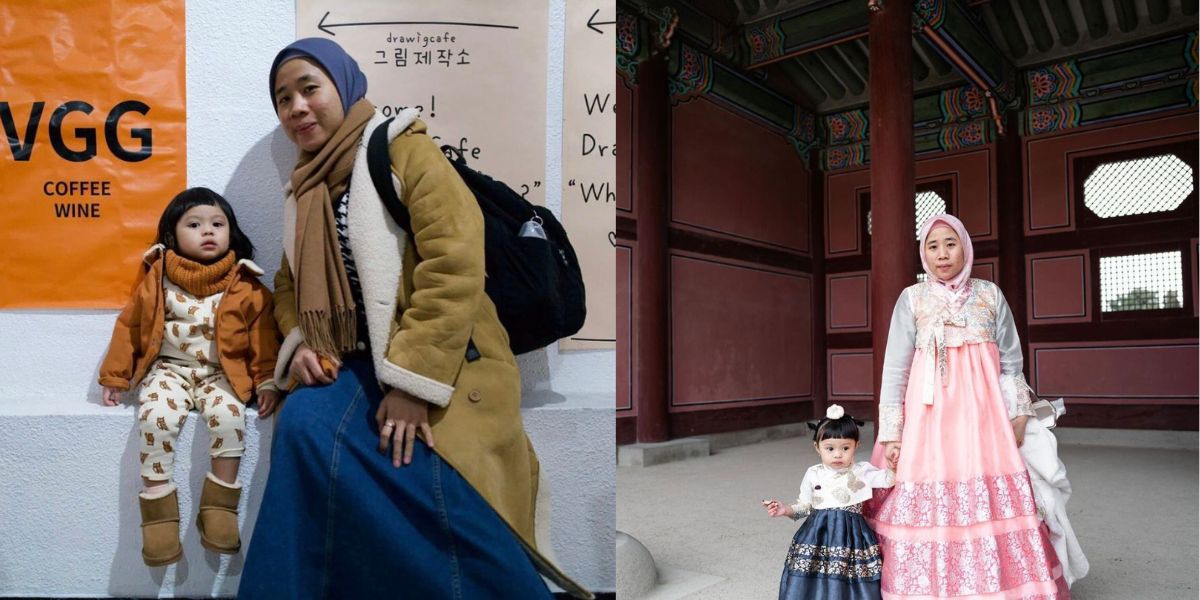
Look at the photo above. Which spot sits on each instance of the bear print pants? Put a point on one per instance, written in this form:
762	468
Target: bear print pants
170	389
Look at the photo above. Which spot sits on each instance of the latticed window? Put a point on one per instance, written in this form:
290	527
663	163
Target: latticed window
929	203
1141	281
1137	187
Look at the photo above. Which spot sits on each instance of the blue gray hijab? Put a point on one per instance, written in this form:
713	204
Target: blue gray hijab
338	65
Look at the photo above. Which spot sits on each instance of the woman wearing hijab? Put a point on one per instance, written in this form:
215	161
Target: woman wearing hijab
961	520
399	466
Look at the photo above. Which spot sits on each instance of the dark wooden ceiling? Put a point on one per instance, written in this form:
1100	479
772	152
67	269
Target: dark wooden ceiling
831	73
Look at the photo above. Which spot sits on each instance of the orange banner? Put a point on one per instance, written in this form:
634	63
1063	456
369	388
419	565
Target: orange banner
92	103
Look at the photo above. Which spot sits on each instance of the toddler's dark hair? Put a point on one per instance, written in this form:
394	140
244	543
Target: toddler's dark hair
201	196
843	428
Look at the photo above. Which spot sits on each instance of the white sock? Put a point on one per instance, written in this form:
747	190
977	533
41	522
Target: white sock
217	480
161	490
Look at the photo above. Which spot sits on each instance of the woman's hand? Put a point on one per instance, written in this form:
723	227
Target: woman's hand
111	396
307	367
398	417
775	509
891	452
268	402
1018	425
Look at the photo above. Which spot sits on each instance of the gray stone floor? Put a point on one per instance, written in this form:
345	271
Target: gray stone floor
1134	510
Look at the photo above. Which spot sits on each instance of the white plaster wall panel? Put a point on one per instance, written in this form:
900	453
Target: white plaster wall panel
72	526
576	450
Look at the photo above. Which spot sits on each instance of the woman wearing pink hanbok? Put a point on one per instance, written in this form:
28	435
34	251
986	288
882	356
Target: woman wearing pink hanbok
961	520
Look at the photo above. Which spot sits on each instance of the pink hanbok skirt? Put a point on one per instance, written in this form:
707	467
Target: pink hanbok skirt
961	520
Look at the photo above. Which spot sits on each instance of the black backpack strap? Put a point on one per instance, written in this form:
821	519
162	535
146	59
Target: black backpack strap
379	163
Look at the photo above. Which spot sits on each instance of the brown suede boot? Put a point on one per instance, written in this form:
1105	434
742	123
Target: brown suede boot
218	520
160	529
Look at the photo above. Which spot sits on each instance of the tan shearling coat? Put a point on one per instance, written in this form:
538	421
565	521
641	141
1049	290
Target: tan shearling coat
420	316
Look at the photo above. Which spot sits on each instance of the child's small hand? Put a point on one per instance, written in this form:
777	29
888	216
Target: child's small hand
268	402
775	509
111	396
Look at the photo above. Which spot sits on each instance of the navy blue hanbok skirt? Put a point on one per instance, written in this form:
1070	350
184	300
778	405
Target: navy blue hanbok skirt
834	556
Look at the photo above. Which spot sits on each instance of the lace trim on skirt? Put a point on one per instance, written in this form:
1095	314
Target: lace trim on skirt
958	503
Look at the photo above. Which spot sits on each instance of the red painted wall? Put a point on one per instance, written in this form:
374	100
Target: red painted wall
741	319
1114	369
740	334
626	118
732	176
741	322
1049	191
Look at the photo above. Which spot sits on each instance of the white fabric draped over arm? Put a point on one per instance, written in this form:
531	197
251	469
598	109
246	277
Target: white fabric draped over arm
803	504
1018	397
897	362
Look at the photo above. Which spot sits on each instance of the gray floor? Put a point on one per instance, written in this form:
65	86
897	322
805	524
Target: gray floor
1134	510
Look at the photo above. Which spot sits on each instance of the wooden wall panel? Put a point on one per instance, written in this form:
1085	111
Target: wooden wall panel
626	117
974	187
625	359
850	375
986	268
740	335
1127	372
843	230
1049	190
1058	287
848	302
732	176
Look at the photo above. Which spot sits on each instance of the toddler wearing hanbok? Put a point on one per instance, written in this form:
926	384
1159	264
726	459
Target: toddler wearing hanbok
834	555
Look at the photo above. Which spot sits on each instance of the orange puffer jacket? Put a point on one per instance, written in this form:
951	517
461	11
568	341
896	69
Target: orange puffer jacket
247	339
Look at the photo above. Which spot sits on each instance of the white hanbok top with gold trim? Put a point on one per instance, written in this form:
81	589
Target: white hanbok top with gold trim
824	487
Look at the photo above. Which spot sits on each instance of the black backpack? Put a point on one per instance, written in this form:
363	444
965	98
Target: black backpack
535	283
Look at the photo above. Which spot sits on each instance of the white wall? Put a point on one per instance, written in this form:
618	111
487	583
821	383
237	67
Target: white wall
68	508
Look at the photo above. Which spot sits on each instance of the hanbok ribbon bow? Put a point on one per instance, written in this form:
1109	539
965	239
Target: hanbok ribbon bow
935	350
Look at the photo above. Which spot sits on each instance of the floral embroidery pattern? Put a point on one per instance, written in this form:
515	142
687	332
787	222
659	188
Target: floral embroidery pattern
959	503
974	323
810	559
981	566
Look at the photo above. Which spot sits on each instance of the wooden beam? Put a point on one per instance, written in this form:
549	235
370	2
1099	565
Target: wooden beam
953	33
804	30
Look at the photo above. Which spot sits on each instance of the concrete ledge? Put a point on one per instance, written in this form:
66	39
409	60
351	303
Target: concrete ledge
648	455
71	523
721	441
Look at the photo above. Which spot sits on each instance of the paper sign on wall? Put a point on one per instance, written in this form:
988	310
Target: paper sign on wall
477	71
93	108
589	163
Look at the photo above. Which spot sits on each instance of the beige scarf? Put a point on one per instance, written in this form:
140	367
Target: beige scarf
198	279
323	295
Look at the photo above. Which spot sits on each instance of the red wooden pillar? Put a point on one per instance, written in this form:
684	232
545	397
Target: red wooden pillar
1010	179
651	304
893	210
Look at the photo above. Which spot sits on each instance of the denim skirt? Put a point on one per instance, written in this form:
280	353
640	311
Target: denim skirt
339	521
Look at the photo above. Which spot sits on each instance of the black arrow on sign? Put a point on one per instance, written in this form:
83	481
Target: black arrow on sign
326	27
592	24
